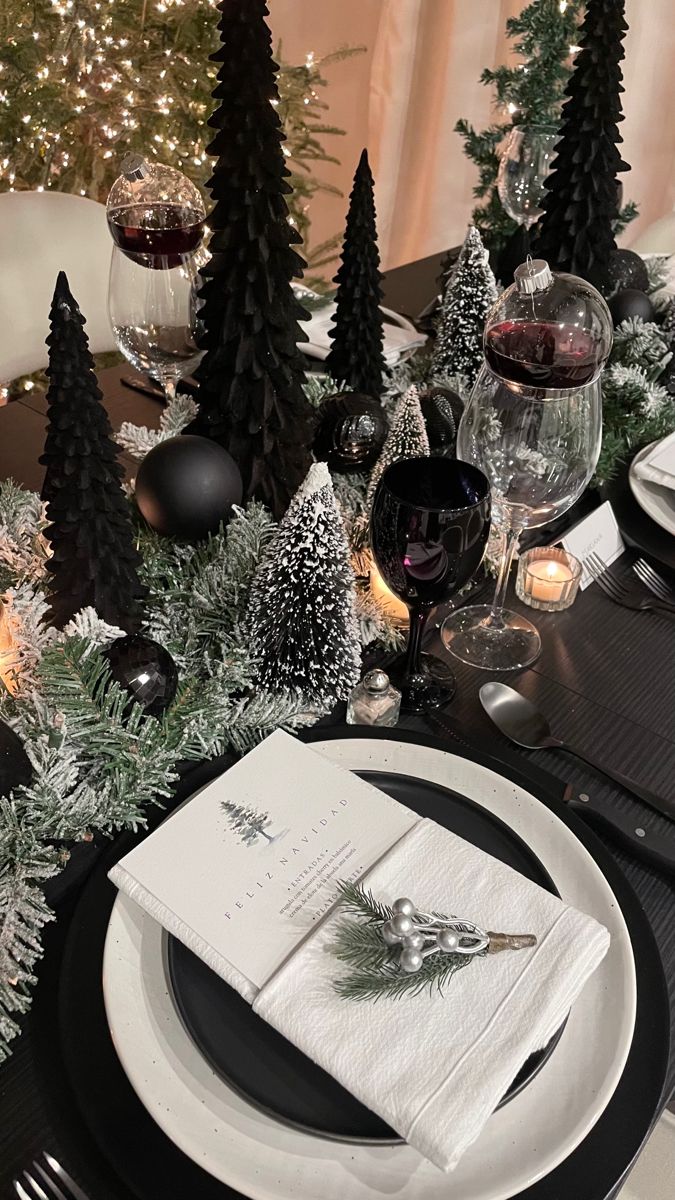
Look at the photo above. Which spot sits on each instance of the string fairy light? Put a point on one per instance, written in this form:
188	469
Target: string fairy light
88	90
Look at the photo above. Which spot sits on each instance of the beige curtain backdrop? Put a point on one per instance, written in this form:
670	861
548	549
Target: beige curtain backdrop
420	72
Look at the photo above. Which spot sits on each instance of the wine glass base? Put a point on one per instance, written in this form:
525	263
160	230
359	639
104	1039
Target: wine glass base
515	643
431	687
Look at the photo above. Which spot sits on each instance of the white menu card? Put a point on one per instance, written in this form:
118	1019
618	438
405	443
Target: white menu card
244	870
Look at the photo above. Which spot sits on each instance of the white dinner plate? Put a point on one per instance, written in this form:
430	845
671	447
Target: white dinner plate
266	1160
658	502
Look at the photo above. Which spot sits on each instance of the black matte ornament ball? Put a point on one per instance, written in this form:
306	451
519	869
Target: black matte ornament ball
15	768
186	487
442	411
630	303
627	269
351	429
145	670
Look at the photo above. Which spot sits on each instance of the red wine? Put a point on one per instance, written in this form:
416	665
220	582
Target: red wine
541	354
158	235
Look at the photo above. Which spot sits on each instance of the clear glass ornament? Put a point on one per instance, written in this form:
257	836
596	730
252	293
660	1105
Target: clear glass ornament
548	331
155	213
156	219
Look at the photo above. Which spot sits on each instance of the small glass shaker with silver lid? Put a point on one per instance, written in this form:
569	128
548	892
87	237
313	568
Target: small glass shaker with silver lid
374	701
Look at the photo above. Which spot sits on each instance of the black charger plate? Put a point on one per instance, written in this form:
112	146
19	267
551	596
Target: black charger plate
268	1070
149	1166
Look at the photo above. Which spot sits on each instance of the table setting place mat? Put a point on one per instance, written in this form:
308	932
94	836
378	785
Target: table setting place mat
119	1143
245	875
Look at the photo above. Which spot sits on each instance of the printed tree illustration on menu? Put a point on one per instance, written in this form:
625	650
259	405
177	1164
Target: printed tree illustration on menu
247	822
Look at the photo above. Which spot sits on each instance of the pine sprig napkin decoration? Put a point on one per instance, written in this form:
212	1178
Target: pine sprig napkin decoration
385	964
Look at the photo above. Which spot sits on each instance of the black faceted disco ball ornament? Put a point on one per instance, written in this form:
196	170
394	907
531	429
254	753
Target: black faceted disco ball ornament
15	768
630	303
186	486
442	411
351	429
145	670
627	270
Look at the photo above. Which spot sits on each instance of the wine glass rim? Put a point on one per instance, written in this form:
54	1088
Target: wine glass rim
538	126
479	477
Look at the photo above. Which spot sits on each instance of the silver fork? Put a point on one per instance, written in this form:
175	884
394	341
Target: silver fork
617	591
47	1180
655	582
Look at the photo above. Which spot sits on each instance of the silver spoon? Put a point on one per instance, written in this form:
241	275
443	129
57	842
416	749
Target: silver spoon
523	724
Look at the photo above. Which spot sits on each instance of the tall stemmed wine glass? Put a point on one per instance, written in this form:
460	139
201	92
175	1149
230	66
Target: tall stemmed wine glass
539	452
524	163
156	218
533	424
429	527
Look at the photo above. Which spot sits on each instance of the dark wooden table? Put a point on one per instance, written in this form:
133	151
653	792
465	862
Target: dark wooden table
605	678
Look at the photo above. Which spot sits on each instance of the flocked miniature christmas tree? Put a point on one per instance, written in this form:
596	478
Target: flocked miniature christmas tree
407	438
247	822
93	560
581	205
470	292
355	357
251	398
303	629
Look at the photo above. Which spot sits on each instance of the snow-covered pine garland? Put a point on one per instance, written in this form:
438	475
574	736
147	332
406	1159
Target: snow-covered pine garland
95	767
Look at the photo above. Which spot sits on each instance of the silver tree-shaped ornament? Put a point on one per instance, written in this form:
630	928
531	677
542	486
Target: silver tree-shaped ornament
247	822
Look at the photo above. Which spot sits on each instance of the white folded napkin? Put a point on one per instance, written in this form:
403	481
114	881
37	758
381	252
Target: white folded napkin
659	465
397	339
435	1066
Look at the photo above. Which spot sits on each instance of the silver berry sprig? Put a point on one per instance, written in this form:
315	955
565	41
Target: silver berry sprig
398	949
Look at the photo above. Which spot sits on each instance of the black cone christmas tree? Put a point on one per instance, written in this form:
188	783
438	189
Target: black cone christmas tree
304	634
93	559
582	194
470	292
356	357
251	397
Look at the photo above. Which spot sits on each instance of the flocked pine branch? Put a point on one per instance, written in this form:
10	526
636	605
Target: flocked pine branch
138	440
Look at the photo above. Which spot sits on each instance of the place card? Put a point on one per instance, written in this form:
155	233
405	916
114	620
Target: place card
244	870
598	533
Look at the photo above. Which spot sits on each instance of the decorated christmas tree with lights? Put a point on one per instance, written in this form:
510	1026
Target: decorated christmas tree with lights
76	74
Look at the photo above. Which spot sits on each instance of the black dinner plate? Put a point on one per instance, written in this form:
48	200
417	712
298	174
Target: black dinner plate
637	528
265	1068
149	1166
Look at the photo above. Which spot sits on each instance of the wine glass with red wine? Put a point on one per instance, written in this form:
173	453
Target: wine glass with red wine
156	219
429	527
533	424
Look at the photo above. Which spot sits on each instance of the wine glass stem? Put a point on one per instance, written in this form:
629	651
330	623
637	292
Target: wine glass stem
169	385
418	620
510	538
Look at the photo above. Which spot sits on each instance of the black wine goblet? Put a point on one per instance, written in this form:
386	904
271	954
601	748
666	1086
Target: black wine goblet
429	526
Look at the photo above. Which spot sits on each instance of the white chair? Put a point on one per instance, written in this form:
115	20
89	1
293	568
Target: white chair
42	233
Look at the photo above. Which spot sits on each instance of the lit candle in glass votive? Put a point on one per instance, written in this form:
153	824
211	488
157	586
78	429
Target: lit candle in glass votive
548	578
384	595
